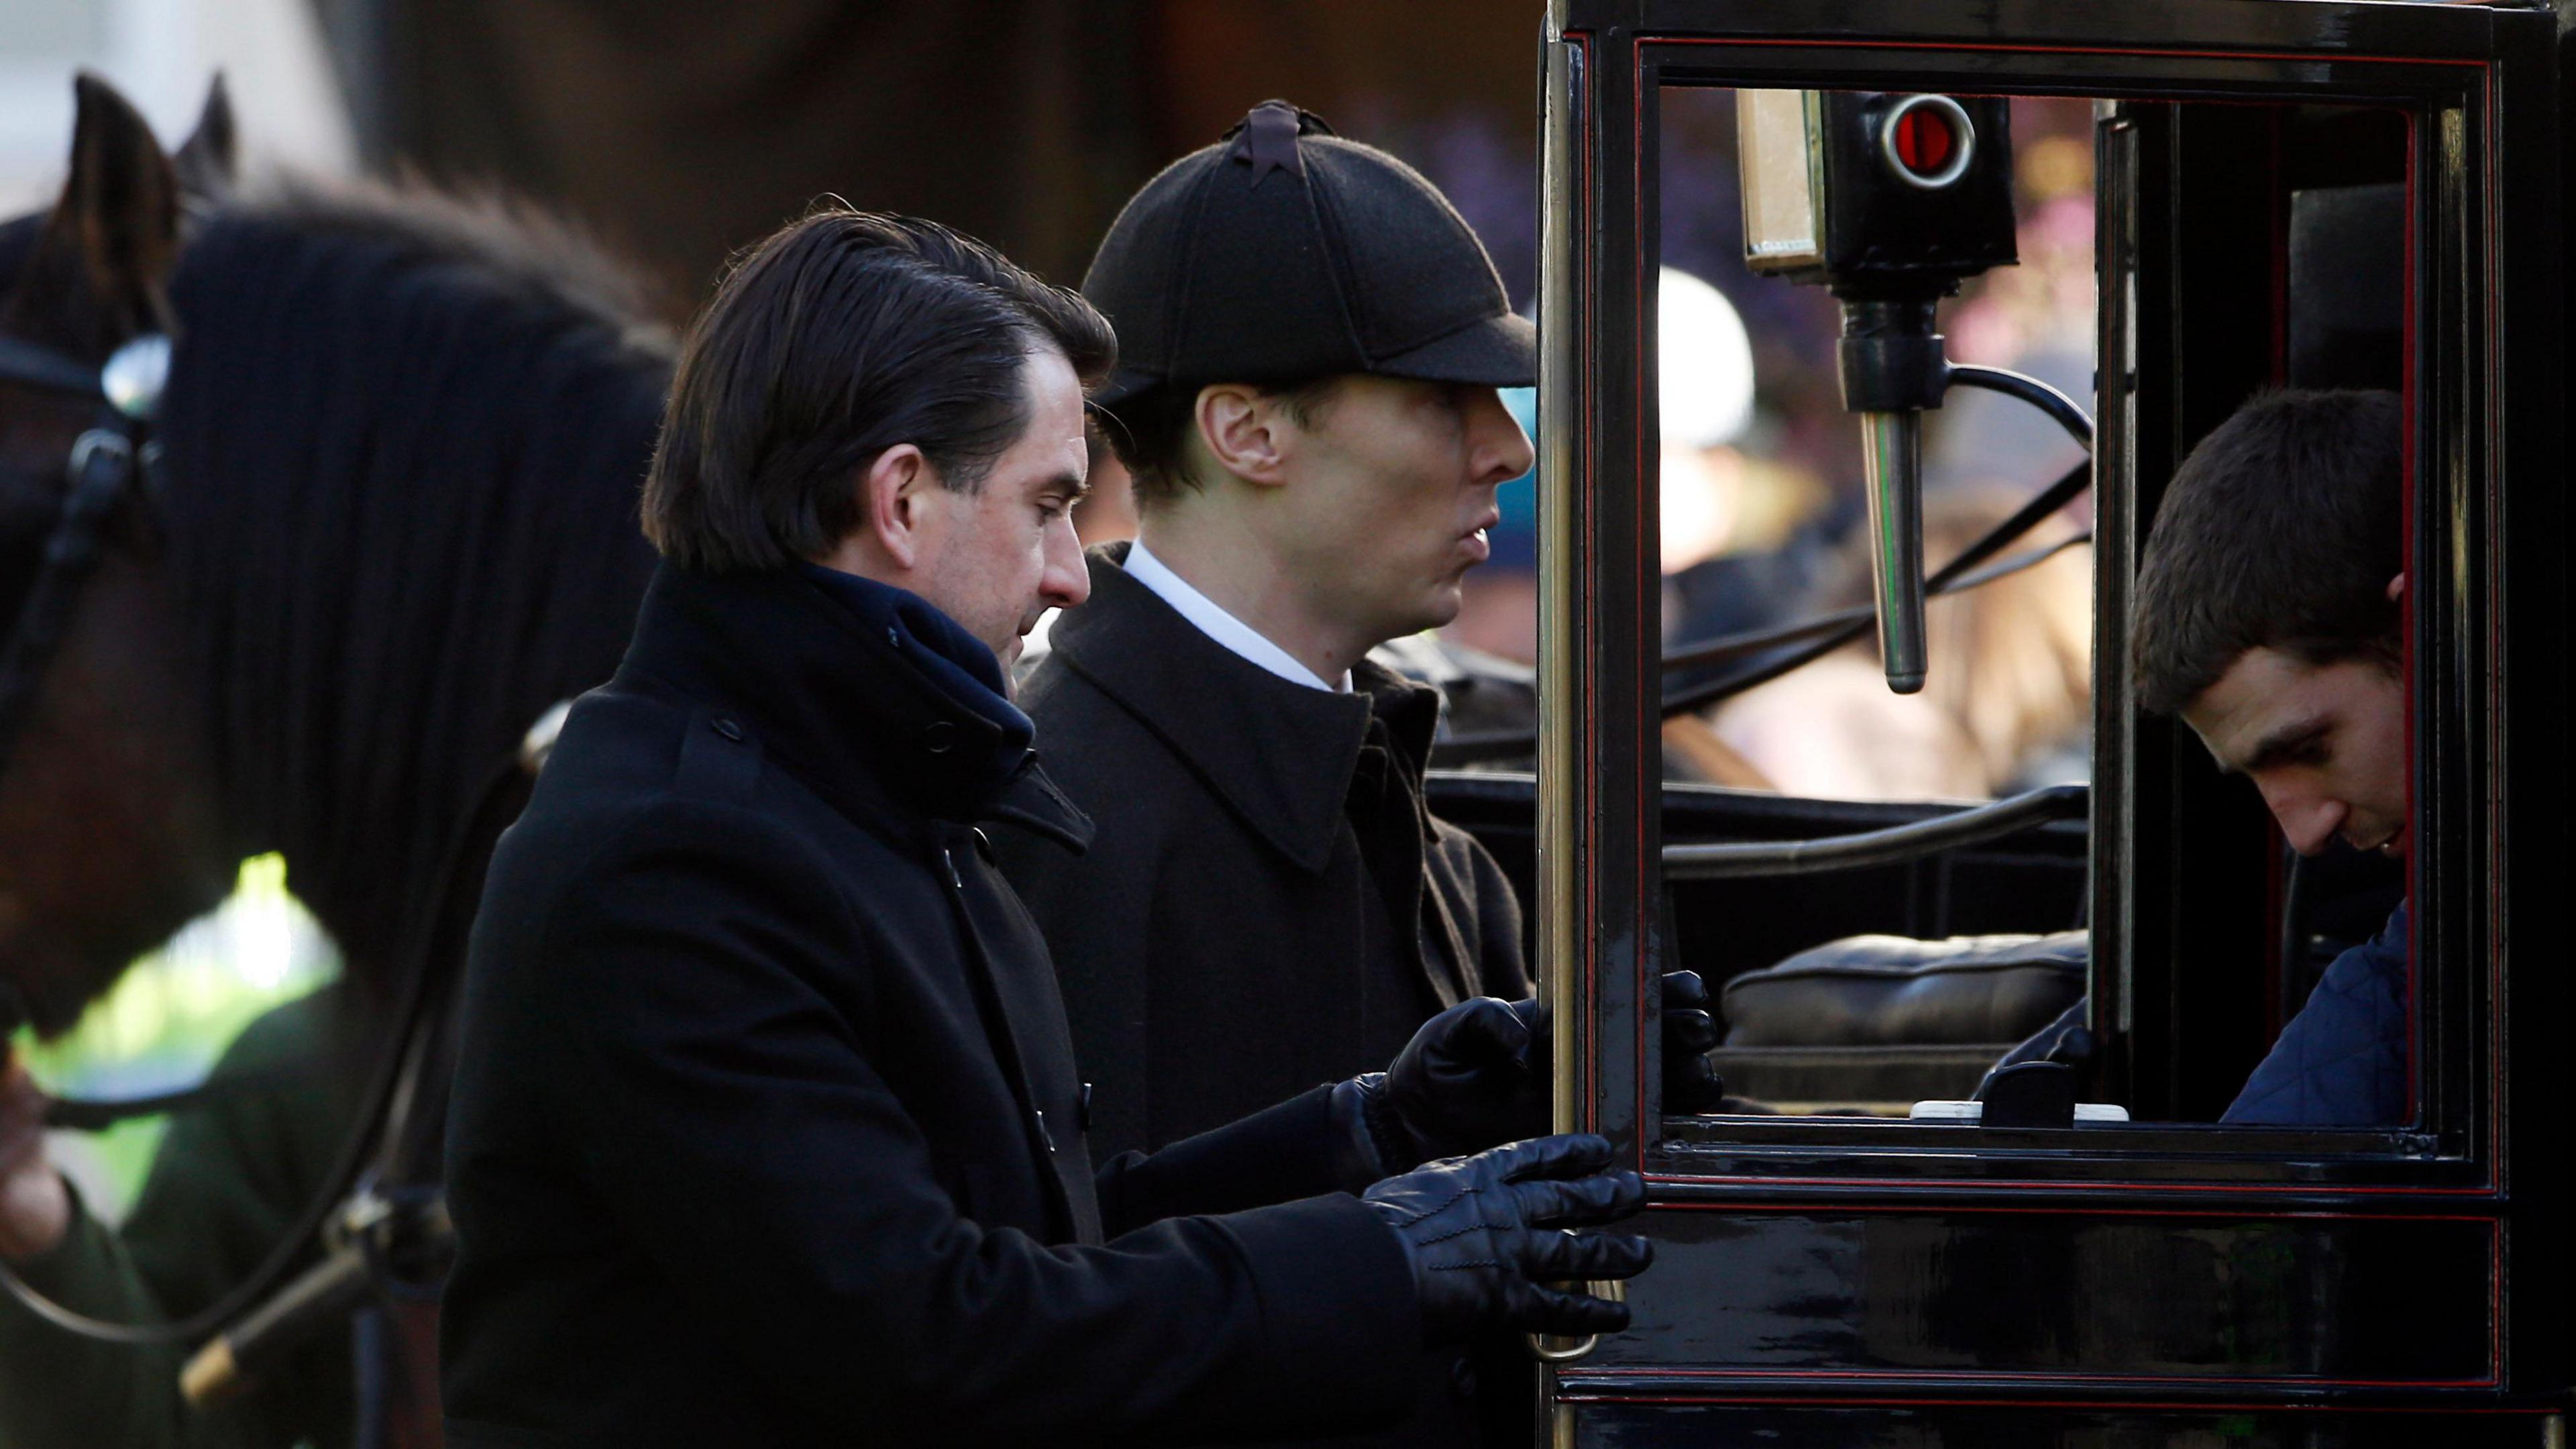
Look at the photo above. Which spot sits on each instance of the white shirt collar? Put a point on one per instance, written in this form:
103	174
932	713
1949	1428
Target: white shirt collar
1213	621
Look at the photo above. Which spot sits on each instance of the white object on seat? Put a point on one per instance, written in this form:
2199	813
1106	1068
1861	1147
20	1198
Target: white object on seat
1976	1111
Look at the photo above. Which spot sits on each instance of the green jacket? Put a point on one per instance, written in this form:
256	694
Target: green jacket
229	1179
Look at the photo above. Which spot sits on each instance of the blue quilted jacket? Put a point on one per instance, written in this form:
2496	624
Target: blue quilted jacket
2341	1062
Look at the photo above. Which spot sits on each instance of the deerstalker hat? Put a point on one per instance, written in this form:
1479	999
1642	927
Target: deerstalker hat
1284	253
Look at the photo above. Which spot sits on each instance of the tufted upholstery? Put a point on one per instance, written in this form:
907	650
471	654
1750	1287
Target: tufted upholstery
1888	1019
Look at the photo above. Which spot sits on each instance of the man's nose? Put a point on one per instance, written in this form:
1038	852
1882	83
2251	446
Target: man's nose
1502	450
2309	821
1067	580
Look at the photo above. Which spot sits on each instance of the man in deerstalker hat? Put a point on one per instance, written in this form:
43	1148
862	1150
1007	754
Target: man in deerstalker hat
1311	339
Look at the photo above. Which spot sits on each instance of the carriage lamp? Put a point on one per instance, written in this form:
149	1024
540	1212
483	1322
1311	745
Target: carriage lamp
1890	201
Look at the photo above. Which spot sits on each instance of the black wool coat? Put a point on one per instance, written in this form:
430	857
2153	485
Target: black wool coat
768	1130
1269	903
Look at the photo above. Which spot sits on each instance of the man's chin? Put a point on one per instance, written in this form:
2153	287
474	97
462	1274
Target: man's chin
1442	609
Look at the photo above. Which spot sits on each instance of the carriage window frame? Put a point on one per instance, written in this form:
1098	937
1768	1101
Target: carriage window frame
1599	933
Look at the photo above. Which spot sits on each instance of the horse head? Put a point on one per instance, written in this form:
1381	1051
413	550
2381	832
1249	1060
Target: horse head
109	834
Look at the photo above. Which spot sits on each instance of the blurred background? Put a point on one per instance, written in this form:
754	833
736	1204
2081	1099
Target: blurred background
679	130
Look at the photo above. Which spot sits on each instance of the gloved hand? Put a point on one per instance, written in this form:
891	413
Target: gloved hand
1484	1233
1473	1077
1691	1084
1476	1076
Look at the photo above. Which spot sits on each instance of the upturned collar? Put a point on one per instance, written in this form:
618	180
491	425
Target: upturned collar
1281	755
866	694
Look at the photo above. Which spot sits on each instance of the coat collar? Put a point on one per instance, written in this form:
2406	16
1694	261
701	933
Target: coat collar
866	715
1280	754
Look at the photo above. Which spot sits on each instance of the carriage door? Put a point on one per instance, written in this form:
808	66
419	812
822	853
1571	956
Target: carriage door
2254	194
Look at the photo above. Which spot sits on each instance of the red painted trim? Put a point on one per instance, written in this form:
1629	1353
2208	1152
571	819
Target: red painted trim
2409	455
2497	801
1864	1376
2280	371
1591	732
2061	1210
2495	1300
1649	781
1948	1184
1968	48
2160	1406
2276	872
2486	97
1583	96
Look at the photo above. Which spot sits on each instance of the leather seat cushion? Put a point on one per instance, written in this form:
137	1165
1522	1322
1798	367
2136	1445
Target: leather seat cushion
1895	991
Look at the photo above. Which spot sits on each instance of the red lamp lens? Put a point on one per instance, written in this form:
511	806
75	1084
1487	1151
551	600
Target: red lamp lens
1924	141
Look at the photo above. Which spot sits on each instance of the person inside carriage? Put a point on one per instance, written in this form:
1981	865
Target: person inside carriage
2268	618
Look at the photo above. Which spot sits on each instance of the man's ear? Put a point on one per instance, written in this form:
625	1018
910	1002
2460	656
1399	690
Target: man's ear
1242	432
2397	588
891	495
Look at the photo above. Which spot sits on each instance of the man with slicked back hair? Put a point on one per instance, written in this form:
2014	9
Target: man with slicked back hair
766	1128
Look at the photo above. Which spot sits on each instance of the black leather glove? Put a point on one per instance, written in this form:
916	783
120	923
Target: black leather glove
1484	1233
1476	1076
1473	1077
1691	1084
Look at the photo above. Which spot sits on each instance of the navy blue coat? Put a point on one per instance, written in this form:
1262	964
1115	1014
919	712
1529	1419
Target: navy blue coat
2341	1062
767	1128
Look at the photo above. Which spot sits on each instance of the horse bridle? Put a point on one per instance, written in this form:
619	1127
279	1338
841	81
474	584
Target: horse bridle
370	1209
110	461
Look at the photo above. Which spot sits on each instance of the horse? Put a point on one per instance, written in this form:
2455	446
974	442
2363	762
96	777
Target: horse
389	521
392	522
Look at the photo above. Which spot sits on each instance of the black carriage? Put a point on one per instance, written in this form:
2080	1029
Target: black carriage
1860	1277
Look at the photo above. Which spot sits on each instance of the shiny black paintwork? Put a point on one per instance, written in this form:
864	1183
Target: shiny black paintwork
1884	1283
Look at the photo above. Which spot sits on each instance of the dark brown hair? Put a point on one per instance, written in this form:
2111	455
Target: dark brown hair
1150	432
844	335
2281	530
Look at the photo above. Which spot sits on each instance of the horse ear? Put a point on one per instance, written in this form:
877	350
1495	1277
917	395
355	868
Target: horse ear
208	161
116	227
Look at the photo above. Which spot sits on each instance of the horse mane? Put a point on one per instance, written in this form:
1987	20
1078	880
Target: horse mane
403	442
516	246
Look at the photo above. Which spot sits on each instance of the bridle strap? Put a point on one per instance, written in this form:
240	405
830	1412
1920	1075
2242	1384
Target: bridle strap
30	365
107	463
103	471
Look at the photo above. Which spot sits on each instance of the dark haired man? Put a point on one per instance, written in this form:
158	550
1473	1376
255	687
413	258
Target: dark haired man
2268	617
1311	343
1312	339
766	1129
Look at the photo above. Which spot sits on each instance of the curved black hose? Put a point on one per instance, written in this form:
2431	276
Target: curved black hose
1756	641
2068	414
2056	496
1897	843
1482	745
